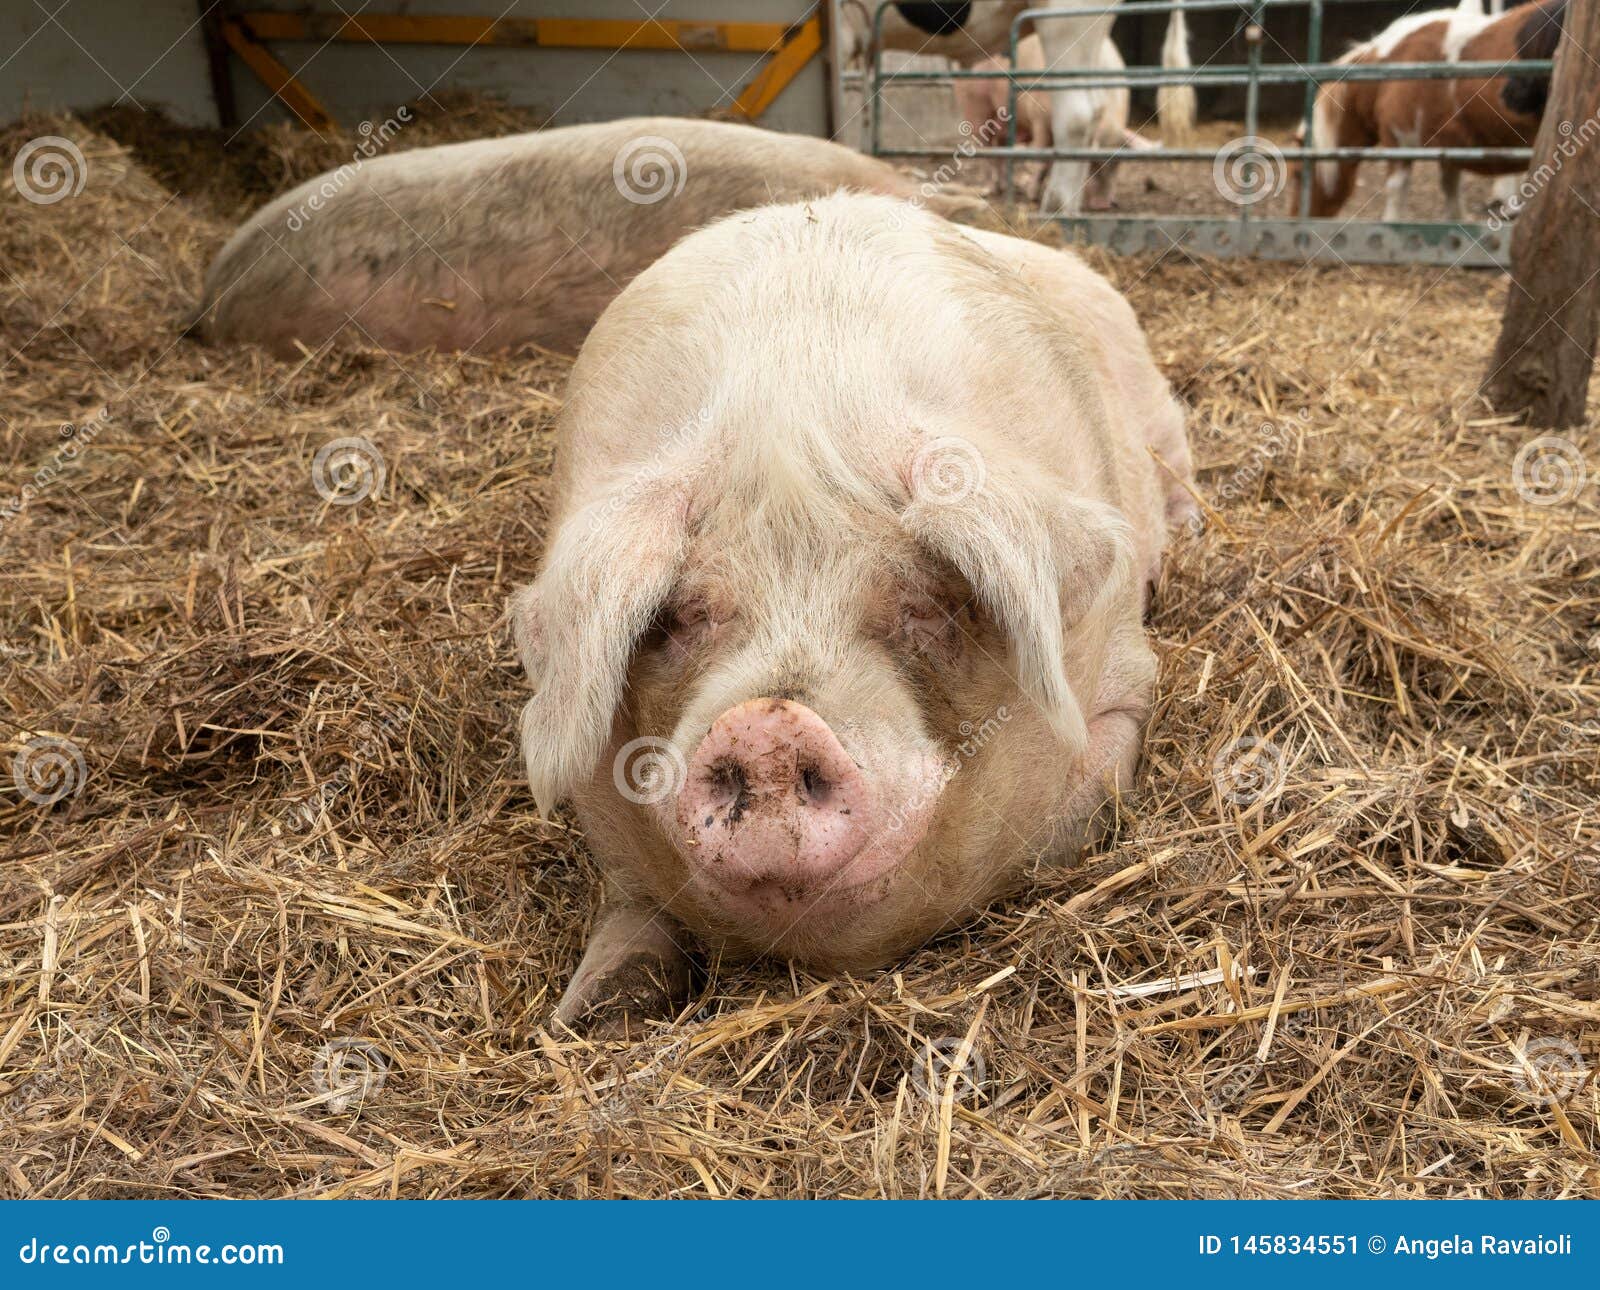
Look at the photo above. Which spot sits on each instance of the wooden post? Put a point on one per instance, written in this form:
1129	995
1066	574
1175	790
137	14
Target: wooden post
1545	355
211	18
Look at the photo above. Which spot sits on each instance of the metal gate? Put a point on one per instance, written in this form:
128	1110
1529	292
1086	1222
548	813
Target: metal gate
1244	233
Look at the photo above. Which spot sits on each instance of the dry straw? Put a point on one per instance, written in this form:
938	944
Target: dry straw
295	929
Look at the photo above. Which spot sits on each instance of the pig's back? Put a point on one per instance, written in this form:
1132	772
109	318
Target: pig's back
1143	416
508	229
852	332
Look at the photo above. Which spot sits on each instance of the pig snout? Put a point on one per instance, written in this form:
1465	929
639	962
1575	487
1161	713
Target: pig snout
774	809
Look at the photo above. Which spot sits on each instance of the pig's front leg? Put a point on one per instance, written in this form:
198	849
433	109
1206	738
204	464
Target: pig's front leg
1108	766
633	971
1115	739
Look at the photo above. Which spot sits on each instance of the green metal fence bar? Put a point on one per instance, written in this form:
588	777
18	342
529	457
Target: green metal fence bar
1375	153
1252	99
1240	73
1309	113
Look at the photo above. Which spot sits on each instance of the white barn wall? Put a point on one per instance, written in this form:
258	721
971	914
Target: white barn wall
357	82
152	52
146	52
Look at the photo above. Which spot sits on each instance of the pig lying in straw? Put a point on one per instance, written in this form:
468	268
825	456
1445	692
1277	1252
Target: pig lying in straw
839	630
494	243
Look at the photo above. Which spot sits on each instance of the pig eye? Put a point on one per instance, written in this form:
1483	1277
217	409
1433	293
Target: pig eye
925	620
686	625
693	617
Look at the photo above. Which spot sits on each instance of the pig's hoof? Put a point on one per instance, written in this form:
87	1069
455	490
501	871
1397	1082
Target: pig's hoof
621	1003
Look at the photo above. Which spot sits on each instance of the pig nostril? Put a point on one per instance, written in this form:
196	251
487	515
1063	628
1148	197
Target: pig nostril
727	782
814	787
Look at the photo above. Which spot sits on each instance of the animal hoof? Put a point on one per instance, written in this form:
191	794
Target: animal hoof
622	1003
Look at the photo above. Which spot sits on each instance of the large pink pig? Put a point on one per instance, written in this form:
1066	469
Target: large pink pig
838	631
495	243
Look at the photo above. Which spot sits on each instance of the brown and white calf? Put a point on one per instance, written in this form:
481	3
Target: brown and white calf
971	32
839	625
499	242
1466	112
984	103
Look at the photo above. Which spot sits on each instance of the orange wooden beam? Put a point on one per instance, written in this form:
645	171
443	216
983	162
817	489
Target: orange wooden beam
791	47
553	33
278	78
765	86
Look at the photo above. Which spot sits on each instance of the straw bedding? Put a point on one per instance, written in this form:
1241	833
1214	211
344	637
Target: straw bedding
296	927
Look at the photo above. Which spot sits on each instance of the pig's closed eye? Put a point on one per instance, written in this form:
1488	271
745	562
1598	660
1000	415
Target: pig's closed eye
925	620
686	625
693	617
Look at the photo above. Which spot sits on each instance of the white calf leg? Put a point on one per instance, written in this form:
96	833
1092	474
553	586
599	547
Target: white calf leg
1506	201
1395	189
1450	182
1070	43
1072	125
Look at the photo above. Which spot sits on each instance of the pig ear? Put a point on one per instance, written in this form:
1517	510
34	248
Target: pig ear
606	575
1045	564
